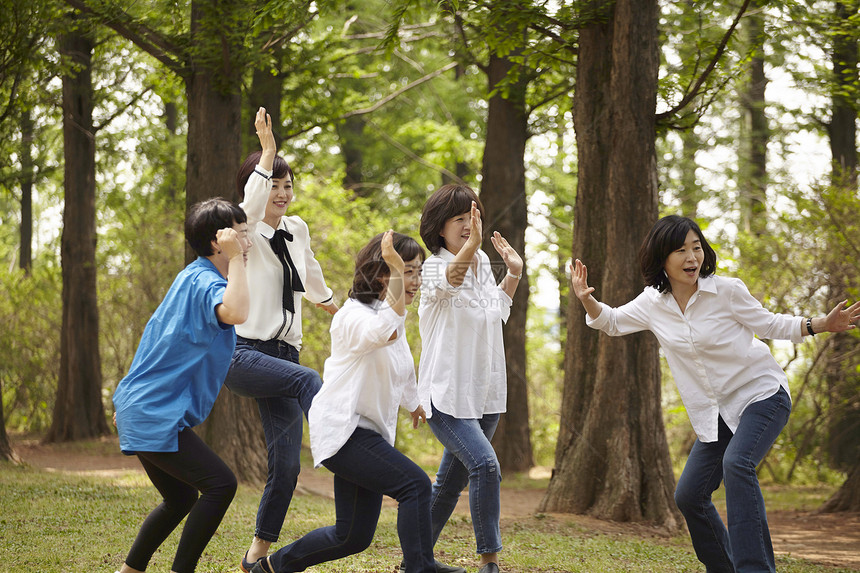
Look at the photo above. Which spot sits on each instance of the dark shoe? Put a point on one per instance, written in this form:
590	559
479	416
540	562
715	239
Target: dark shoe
440	568
259	566
246	565
489	568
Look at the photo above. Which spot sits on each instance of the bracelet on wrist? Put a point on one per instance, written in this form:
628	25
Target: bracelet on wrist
513	276
809	327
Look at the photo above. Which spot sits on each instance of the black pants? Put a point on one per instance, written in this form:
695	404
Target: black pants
178	476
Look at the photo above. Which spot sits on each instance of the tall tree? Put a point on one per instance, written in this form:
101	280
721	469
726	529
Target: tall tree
612	459
78	410
25	260
753	160
503	193
842	360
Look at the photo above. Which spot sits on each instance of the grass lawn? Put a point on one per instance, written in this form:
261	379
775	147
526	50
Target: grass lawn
57	522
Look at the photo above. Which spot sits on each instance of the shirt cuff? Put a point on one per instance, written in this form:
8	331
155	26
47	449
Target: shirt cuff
796	332
602	319
263	172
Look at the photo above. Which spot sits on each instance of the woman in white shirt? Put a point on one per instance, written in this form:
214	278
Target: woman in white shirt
735	392
281	271
462	369
353	418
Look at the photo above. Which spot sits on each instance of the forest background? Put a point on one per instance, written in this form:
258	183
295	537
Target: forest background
579	122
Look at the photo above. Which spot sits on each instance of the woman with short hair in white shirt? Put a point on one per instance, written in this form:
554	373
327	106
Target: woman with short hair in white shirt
735	392
353	418
461	373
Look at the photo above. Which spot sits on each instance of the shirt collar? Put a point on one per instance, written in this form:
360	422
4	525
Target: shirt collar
445	254
706	285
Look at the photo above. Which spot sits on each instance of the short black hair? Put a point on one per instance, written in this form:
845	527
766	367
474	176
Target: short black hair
448	201
206	218
668	235
280	169
371	269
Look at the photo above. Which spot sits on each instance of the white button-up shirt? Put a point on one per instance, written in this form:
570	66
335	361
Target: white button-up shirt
267	319
365	380
719	366
462	366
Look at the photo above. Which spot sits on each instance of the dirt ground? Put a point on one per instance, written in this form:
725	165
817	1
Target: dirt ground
828	539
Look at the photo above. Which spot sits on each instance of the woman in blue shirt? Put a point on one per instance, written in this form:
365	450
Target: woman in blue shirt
174	379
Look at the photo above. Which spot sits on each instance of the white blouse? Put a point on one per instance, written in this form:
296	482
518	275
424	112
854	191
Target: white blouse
365	380
267	319
719	366
462	366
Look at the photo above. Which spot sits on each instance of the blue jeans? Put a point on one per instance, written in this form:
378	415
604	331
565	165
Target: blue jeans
746	546
468	459
365	468
269	371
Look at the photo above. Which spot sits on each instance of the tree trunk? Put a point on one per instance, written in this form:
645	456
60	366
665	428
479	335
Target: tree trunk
214	113
232	429
503	193
847	497
26	258
753	176
353	140
6	452
214	142
612	458
266	91
78	411
842	360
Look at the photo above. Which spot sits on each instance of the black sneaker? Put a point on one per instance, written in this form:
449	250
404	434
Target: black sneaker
489	568
440	568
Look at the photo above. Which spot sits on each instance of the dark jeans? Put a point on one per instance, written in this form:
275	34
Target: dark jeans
365	469
745	547
269	371
178	476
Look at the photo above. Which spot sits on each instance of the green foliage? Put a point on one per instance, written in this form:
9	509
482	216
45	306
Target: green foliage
31	311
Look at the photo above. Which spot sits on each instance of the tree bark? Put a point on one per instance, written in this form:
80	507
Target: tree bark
6	451
612	458
503	193
78	411
214	156
842	359
26	257
266	91
753	177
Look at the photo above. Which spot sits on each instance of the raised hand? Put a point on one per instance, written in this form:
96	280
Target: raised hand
390	255
512	259
263	125
476	229
579	280
228	241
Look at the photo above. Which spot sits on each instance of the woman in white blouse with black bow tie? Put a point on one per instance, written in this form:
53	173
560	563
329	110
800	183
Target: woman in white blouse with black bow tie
282	270
735	392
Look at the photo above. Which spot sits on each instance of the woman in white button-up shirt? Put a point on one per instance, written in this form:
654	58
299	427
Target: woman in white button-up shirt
735	392
353	419
462	369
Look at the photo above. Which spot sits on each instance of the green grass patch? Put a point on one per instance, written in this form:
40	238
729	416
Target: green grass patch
59	522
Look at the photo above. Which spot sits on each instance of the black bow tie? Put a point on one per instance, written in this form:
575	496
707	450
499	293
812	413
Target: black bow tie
292	282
